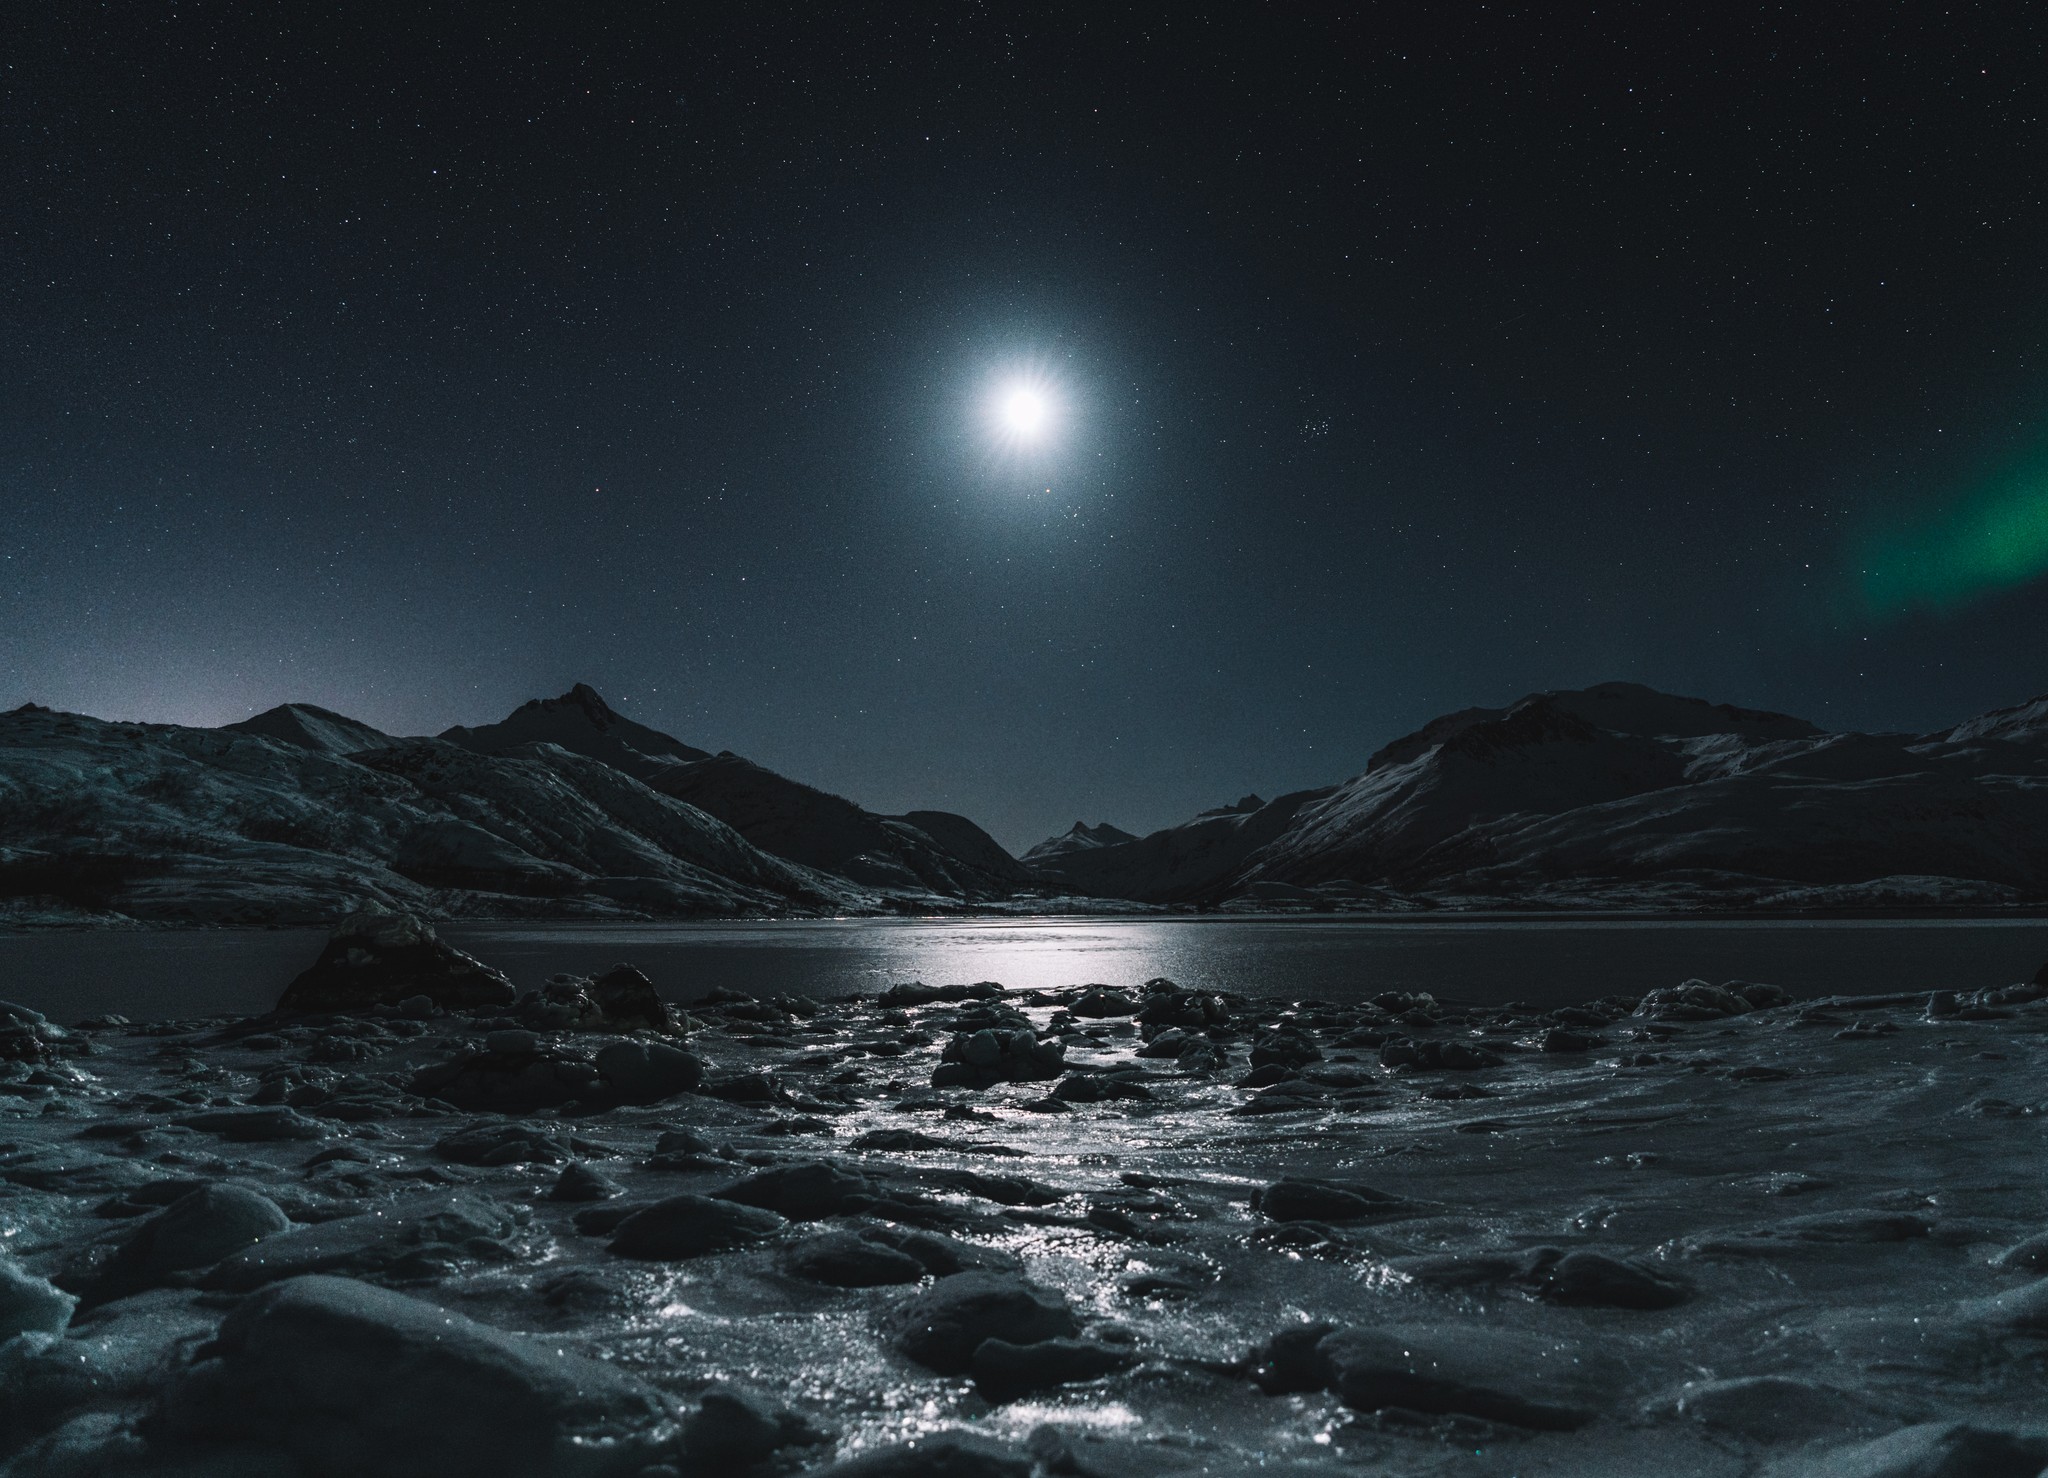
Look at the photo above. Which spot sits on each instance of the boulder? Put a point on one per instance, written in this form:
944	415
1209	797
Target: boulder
1099	1002
983	1058
501	1144
1291	1361
846	1260
1285	1048
691	1226
514	1073
917	993
1930	1450
1768	1408
737	1431
758	1089
578	1182
1166	1004
1438	1055
27	1037
1695	1000
378	958
412	1238
1004	1371
264	1125
940	1255
196	1231
341	1378
943	1326
119	1359
627	1000
686	1149
1561	1039
1004	1190
804	1191
648	1072
30	1305
1098	1088
1322	1200
1591	1279
620	1000
1497	1376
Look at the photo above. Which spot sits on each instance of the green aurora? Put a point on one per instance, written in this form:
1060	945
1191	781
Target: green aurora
1991	539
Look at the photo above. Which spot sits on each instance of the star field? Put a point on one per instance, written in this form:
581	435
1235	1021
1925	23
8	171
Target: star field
418	363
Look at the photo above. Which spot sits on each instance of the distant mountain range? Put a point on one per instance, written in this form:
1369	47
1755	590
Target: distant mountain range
1621	796
1615	796
565	809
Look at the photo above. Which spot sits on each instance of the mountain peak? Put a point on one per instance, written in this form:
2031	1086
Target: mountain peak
582	722
2021	721
1080	837
1244	805
582	698
1618	707
309	726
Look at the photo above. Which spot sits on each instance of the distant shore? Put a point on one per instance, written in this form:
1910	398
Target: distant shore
1121	912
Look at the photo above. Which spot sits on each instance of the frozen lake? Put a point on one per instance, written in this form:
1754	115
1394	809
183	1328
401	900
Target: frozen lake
1544	961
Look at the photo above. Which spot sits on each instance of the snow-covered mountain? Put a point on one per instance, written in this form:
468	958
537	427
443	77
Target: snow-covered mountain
1619	794
1612	796
582	722
922	852
309	727
1197	861
165	823
1081	837
564	809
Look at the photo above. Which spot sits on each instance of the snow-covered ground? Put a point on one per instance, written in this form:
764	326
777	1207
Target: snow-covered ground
1700	1231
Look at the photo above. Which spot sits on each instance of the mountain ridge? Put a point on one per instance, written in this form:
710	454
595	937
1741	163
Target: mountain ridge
1618	794
1614	796
782	816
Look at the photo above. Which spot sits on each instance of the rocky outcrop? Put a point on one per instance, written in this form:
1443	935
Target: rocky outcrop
621	999
379	958
985	1057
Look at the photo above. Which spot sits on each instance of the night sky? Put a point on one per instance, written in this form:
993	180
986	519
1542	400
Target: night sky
416	361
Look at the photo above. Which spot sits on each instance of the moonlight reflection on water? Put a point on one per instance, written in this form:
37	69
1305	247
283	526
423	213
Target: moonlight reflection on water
1551	961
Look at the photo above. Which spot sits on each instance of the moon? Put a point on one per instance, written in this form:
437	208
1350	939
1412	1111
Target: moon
1024	411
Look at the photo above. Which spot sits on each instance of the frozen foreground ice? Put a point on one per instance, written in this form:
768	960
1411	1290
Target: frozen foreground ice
420	1227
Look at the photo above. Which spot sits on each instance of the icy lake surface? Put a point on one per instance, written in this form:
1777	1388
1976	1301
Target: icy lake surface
1546	962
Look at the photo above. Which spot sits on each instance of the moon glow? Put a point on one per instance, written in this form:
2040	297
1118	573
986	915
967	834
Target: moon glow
1024	411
